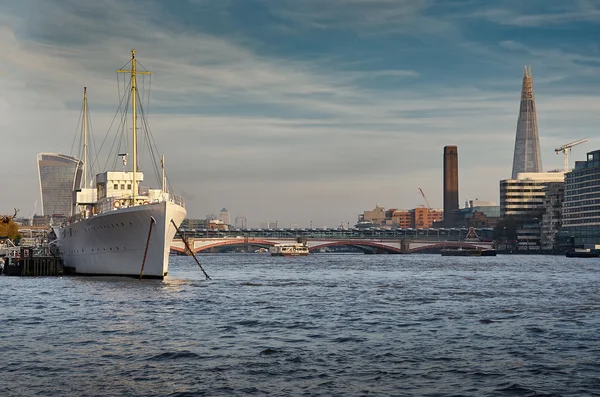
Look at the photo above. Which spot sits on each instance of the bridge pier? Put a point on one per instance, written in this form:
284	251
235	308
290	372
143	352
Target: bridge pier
190	243
404	246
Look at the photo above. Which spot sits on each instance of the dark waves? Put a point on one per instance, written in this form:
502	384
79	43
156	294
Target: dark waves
323	325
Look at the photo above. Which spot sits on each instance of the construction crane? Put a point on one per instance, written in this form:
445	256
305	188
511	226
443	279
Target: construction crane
32	213
565	149
425	199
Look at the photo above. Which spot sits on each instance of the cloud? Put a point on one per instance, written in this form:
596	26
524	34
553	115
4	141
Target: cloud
557	13
410	17
261	130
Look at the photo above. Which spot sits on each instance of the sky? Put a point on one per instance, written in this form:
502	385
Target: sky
302	110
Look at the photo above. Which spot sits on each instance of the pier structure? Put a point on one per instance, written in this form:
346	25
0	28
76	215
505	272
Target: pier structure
33	261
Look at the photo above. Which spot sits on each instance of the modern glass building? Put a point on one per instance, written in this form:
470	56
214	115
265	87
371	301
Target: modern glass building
524	196
581	207
527	157
59	176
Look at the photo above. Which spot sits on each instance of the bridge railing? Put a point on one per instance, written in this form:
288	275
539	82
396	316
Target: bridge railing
383	234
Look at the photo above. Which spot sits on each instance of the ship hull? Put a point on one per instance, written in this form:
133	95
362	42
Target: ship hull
114	243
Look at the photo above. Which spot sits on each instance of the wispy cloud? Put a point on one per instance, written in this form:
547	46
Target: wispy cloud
237	116
541	13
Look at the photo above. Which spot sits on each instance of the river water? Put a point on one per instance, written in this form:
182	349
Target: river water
322	325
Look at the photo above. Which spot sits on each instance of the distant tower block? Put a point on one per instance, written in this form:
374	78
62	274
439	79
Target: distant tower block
527	156
241	222
224	216
450	183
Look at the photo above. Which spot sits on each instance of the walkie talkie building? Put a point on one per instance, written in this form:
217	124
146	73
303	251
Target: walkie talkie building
59	176
527	157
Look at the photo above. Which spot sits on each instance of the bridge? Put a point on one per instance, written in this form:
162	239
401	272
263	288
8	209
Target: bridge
383	241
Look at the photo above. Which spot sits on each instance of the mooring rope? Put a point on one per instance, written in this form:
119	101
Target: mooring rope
190	250
152	222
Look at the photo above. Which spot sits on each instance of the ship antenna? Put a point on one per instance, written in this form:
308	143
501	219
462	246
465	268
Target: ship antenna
134	72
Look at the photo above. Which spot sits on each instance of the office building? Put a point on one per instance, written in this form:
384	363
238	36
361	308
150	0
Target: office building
416	218
479	214
376	216
241	222
552	216
224	216
424	218
581	206
523	197
59	176
450	184
527	157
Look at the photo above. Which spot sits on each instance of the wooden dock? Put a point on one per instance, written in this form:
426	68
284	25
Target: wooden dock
34	262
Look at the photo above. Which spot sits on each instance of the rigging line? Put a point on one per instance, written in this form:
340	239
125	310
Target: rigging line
108	132
140	64
169	187
119	109
80	146
121	136
139	94
76	130
119	97
151	144
149	88
93	144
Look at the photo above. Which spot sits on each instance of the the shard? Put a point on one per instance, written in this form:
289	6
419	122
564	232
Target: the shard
527	156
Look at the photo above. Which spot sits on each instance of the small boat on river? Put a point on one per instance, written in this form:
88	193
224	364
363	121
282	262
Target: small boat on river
286	249
582	253
468	252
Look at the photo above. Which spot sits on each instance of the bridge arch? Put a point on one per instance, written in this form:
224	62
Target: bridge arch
445	244
233	243
368	247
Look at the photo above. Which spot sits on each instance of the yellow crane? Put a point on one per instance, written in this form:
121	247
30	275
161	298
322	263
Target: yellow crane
566	148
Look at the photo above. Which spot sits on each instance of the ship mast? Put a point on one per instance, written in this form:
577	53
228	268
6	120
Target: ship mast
134	72
84	137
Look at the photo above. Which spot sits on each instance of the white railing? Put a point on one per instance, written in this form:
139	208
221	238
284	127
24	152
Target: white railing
177	200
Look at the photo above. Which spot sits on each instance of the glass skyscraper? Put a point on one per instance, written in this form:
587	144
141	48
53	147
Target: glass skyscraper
59	176
581	207
527	157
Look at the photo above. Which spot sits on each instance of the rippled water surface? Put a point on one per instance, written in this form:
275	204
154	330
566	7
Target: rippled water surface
330	325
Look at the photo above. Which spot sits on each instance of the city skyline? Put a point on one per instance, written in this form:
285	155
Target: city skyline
299	111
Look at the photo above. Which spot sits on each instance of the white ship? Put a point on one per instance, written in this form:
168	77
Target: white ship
120	228
286	249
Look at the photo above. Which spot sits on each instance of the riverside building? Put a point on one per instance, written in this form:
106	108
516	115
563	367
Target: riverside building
552	217
523	197
581	206
416	218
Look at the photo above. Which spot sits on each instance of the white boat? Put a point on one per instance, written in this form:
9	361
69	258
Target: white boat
120	228
285	249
